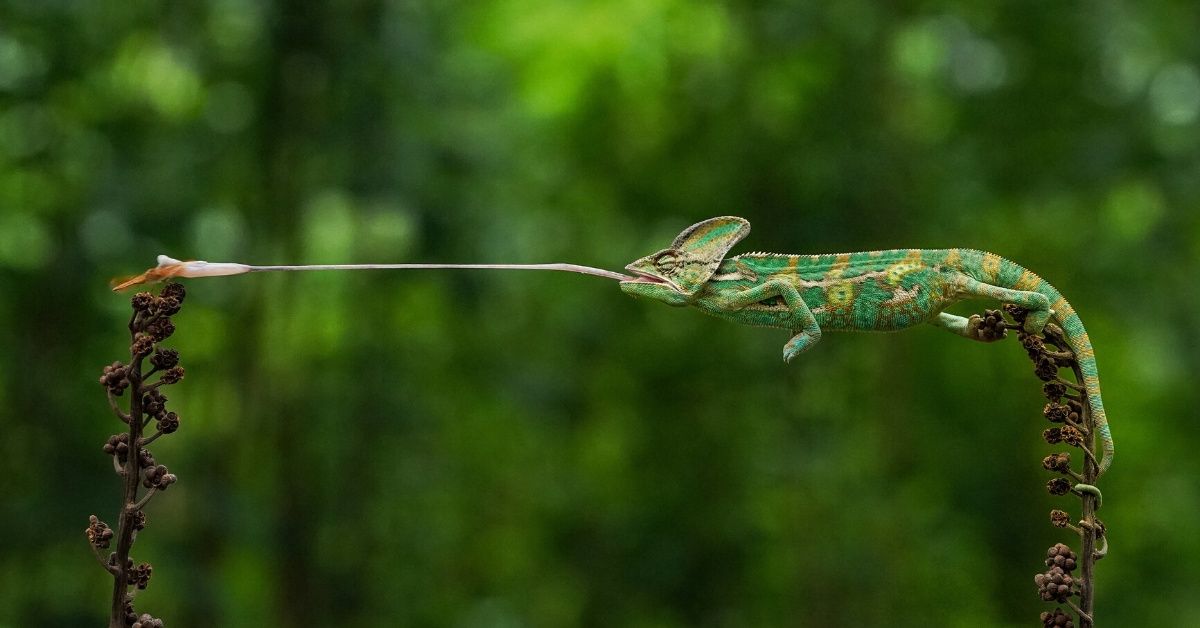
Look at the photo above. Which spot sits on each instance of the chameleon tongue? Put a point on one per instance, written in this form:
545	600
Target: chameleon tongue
572	268
169	267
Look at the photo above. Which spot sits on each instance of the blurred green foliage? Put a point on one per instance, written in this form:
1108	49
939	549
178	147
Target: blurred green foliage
512	449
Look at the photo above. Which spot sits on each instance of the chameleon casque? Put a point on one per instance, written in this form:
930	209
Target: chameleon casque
866	291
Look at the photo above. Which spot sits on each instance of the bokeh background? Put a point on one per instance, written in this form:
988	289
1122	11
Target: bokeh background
537	449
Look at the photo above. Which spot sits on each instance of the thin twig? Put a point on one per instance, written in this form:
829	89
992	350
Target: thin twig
144	500
1070	384
112	403
1088	453
153	437
1082	615
102	560
1079	426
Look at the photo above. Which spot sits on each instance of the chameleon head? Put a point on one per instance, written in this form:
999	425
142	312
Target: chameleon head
675	275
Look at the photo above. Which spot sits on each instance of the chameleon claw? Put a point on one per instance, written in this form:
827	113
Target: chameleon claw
974	321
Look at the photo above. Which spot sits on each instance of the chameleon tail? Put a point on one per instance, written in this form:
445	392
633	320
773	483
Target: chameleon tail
1011	275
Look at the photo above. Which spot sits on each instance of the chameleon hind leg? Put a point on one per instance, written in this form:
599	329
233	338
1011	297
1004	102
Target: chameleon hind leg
962	326
801	321
1036	303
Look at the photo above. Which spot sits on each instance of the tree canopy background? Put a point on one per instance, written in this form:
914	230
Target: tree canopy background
512	449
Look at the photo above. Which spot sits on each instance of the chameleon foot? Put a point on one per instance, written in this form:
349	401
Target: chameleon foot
799	344
988	328
978	328
1035	320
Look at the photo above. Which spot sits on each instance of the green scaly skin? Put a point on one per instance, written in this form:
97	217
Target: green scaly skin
867	291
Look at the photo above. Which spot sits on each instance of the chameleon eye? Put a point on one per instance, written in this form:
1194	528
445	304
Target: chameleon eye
666	262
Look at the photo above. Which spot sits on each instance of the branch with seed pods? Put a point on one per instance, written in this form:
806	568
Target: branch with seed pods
1069	578
141	474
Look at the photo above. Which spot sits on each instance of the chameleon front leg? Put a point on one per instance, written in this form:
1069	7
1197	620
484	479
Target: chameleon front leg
962	326
800	318
1036	303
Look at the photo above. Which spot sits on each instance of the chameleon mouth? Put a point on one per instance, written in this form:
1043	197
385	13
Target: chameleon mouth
646	278
641	277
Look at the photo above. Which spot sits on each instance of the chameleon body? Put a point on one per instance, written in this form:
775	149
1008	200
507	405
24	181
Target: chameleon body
867	291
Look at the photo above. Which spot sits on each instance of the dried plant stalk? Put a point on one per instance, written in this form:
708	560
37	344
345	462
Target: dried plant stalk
1069	408
149	325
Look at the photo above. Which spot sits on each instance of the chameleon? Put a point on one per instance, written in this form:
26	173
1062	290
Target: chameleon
804	294
881	291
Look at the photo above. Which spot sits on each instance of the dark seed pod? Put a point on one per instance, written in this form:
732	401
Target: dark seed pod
164	358
147	621
142	345
1045	368
161	329
174	291
1071	436
141	301
1054	390
118	445
1057	619
1058	486
1055	585
114	378
172	375
154	403
98	532
140	575
168	423
1060	462
1055	413
165	306
1062	557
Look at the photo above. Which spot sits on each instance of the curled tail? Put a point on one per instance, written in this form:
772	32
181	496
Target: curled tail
1021	279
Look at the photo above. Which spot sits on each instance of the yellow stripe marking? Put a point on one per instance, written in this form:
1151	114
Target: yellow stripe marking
841	262
1085	350
1028	281
1062	309
991	267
